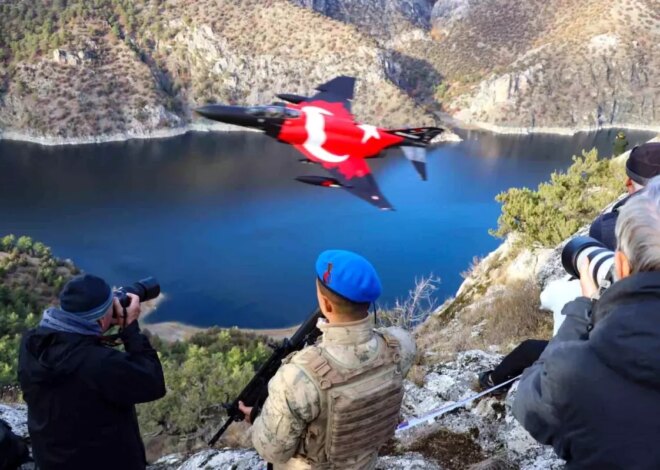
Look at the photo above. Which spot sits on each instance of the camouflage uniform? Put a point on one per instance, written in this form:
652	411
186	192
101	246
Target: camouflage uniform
620	144
294	400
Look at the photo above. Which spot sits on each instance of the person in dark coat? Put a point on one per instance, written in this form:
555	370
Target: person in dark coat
594	394
81	394
642	165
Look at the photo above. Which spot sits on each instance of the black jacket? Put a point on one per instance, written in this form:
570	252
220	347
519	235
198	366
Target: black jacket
603	227
81	396
596	396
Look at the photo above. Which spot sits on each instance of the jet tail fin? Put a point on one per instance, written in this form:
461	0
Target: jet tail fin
418	136
417	156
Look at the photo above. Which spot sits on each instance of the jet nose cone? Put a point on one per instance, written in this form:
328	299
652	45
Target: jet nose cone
235	115
219	112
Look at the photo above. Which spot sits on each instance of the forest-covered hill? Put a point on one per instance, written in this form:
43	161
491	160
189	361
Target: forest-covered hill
80	69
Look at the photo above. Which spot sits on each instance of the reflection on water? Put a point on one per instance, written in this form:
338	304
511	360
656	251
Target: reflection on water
232	238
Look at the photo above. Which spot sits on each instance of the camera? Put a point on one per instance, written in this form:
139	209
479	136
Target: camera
586	249
146	289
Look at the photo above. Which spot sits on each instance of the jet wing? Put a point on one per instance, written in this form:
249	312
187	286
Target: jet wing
361	185
338	90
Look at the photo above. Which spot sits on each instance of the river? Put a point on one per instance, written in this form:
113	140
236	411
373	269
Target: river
219	220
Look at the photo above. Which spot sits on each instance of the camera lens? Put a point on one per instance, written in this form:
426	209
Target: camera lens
586	249
146	289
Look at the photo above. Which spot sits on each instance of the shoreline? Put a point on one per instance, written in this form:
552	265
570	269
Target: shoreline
121	137
172	331
563	131
199	126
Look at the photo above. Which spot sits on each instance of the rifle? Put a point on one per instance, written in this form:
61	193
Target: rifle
256	391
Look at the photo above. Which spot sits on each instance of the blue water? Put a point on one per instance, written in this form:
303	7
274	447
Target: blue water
218	219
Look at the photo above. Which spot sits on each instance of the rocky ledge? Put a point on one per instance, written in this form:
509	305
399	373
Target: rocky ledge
483	435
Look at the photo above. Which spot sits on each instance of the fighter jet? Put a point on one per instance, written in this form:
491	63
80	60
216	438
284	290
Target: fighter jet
324	130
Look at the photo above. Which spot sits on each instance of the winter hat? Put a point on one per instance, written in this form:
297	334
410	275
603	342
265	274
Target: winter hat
644	163
88	297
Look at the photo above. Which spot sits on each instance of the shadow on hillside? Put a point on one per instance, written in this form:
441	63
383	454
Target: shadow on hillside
417	77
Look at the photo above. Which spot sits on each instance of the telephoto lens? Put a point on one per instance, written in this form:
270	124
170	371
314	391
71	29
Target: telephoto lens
586	249
146	289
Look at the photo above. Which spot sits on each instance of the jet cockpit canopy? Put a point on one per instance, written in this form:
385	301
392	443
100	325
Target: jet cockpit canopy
274	111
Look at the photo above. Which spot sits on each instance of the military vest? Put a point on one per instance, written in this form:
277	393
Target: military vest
359	407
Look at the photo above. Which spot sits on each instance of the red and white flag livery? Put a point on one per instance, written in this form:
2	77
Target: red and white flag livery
324	130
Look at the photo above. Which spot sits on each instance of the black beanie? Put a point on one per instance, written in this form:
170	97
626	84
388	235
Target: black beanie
86	295
644	163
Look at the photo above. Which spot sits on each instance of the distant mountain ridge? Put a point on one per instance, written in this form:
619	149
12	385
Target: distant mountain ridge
77	70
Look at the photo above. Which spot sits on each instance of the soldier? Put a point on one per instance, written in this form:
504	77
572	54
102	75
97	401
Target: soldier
620	144
334	404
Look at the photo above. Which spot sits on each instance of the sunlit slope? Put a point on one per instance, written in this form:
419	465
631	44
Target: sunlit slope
538	63
81	68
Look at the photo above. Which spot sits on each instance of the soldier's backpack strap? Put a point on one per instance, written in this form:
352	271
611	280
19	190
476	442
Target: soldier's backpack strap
393	346
318	365
327	376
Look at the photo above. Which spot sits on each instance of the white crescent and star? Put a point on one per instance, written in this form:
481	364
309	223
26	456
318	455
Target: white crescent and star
369	132
316	136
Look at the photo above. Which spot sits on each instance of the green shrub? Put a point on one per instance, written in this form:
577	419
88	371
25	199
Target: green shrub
209	369
18	308
561	206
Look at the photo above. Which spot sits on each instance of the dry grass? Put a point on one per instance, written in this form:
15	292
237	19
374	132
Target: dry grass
501	319
514	314
417	374
454	451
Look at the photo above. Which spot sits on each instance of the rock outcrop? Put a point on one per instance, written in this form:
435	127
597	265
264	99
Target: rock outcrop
380	18
519	68
470	436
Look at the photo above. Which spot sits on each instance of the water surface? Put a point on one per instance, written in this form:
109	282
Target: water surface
219	220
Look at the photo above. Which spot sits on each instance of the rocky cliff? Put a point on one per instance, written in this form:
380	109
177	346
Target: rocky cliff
70	71
468	334
531	65
115	70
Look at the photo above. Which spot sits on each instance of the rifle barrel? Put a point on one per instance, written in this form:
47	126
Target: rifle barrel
220	432
256	390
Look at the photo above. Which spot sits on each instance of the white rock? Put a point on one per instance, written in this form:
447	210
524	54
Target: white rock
16	417
439	384
224	459
409	461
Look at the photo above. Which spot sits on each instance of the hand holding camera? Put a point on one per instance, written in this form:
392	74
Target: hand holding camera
132	311
589	287
129	298
592	262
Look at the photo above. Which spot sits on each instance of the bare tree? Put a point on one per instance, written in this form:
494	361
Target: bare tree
416	308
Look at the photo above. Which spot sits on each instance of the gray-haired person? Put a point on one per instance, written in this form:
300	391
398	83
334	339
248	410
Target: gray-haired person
594	395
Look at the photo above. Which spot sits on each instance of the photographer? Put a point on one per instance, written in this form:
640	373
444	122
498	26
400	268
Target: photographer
642	165
594	394
81	394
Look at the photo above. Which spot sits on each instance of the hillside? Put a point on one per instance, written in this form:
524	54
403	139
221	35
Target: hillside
80	69
30	279
557	63
516	66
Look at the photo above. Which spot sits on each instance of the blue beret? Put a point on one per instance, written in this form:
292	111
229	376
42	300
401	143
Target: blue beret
349	275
